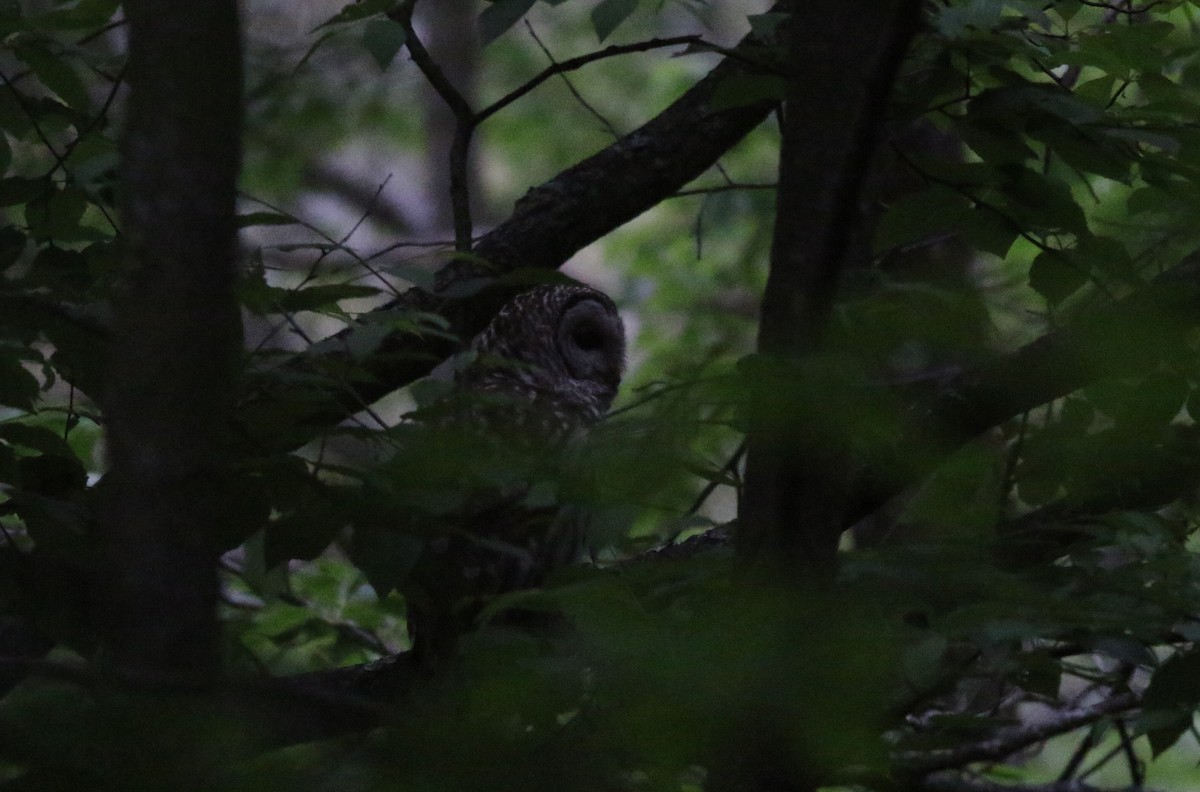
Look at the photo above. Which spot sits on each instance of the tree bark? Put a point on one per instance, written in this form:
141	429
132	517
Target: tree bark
843	59
177	341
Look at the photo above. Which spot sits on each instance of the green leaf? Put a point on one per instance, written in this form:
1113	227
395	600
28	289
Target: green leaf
500	16
953	22
18	388
1098	91
1171	698
426	392
383	38
1193	405
260	298
55	215
989	231
609	14
18	190
1149	199
363	339
765	25
312	50
1165	142
421	277
84	15
993	143
34	438
1122	50
93	161
302	533
280	618
1086	153
57	75
1154	402
1103	254
5	154
1055	276
923	662
53	476
919	216
12	245
1045	203
13	118
741	89
57	268
12	18
316	298
384	556
360	9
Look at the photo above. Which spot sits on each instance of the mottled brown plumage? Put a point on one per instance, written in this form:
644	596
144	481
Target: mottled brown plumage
546	369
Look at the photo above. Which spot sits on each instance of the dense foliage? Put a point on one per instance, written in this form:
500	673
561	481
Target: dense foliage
994	399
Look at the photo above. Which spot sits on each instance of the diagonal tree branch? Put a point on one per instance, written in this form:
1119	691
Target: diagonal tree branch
1123	338
548	225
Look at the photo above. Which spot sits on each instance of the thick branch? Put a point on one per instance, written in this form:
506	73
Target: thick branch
1123	338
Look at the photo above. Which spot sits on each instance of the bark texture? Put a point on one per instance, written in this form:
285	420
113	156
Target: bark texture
842	60
177	340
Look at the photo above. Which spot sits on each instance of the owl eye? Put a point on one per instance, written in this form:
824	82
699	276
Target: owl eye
591	342
588	337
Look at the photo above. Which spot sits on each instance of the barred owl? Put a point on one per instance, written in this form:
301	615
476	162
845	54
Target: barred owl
546	369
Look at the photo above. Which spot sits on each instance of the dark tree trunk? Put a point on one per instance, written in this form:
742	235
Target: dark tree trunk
169	394
843	58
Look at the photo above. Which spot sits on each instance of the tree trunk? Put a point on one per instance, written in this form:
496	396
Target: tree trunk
168	400
842	60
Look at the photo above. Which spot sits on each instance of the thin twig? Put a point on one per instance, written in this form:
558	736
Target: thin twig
95	34
1008	479
727	469
1101	762
1136	773
366	210
1079	754
579	61
1005	742
612	130
464	126
950	782
736	186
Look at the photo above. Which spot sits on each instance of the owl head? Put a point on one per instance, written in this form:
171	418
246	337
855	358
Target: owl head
557	348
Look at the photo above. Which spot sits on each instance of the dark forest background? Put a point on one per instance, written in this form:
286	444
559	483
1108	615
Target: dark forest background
900	491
